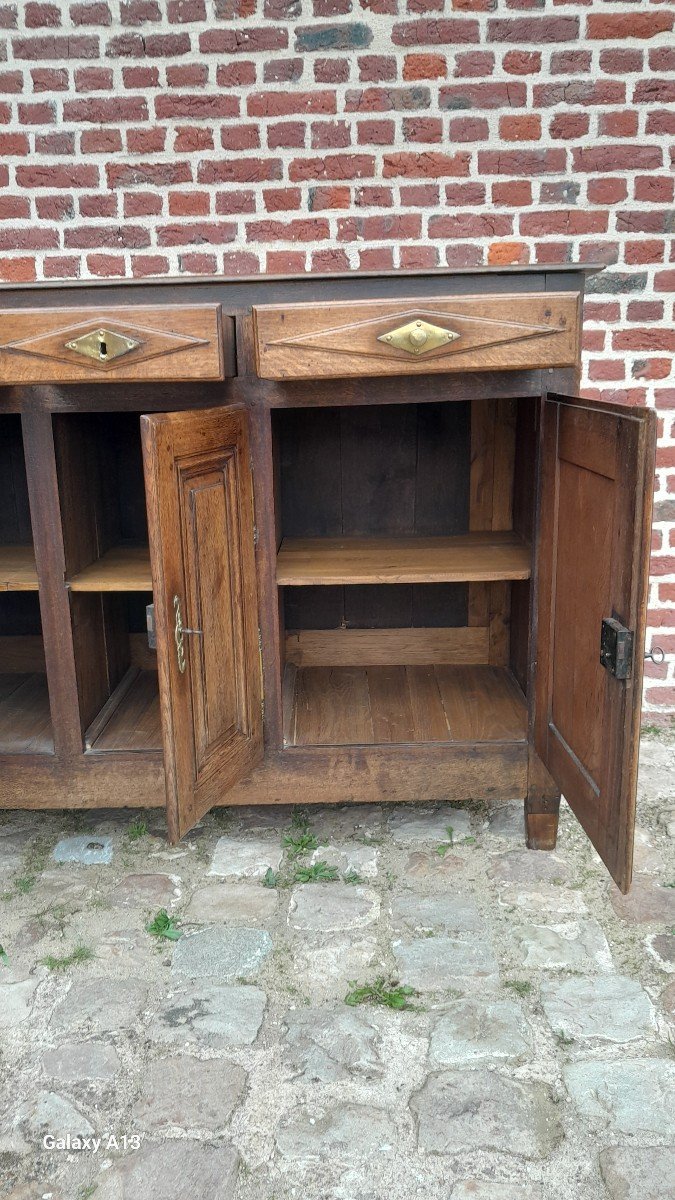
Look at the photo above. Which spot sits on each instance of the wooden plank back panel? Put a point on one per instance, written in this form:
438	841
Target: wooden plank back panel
385	647
492	332
170	342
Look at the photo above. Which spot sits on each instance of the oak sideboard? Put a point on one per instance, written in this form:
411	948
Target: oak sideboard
319	539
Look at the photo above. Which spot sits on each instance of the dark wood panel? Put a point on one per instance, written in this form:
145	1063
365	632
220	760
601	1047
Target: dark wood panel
25	720
15	526
131	719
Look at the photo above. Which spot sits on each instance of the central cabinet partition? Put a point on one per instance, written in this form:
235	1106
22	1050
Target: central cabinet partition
319	540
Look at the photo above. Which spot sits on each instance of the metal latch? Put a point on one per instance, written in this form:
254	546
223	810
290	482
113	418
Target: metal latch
616	648
150	622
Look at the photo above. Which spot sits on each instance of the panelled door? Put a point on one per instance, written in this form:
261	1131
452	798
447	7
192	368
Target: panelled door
201	527
593	548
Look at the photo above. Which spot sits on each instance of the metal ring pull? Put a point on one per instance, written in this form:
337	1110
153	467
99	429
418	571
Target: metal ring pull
656	655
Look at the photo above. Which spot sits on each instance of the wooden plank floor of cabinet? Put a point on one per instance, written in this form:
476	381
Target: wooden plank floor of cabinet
25	720
131	718
17	569
343	706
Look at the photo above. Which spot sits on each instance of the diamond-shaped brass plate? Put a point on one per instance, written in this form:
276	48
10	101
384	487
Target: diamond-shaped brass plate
103	345
418	337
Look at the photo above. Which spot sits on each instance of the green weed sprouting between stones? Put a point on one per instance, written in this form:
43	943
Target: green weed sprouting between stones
352	877
164	926
319	872
445	846
271	879
522	987
563	1039
137	830
81	954
387	993
4	957
299	843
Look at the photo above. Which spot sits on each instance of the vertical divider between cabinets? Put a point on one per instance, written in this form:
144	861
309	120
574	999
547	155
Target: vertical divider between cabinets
43	491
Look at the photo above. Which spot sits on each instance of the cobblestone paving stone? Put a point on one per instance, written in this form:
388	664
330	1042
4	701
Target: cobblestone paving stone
537	1061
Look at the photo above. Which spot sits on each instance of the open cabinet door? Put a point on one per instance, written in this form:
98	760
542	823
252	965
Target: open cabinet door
594	537
200	519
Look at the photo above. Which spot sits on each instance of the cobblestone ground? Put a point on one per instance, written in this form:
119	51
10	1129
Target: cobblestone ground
538	1061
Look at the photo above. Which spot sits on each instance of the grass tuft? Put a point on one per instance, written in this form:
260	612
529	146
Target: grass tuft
81	954
318	873
164	926
383	992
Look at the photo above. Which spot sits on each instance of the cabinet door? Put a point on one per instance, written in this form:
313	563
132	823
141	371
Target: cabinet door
592	565
200	520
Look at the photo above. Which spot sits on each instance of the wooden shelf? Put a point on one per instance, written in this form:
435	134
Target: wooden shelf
121	569
470	558
358	706
130	719
25	721
17	569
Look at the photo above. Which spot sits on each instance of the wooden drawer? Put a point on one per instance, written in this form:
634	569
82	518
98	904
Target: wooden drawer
406	337
168	342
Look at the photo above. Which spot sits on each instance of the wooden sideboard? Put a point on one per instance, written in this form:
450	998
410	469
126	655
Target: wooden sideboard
342	538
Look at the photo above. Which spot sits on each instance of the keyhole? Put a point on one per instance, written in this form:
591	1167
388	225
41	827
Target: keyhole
102	345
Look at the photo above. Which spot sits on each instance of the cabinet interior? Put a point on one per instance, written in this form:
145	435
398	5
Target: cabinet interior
403	564
25	723
105	534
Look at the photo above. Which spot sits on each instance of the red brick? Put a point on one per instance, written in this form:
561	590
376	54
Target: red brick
106	265
618	124
474	64
418	258
99	204
484	95
646	251
182	11
149	265
139	12
240	137
607	191
193	137
154	174
49	79
469	225
11	83
449	31
282	70
97	14
655	220
36	114
380	258
197	264
34	238
41	16
196	107
104	110
506	253
280	104
14	143
459	195
335	166
330	135
17	270
377	68
568	221
331	70
424	66
652	368
375	229
522	62
642	310
513	194
56	48
166	45
94	237
93	79
376	133
422	129
54	143
570	62
61	267
140	77
616	158
610	26
662	58
621	61
282	199
607	312
285	262
229	10
654	91
468	129
230	202
387	99
425	165
534	30
520	128
239	262
235	74
189	204
100	142
242	170
320	198
463	254
654	189
287	134
146	141
57	175
243	40
14	208
644	339
196	233
579	91
187	75
612	369
521	162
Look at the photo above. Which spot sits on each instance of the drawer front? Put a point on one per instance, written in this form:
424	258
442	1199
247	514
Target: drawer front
113	345
407	337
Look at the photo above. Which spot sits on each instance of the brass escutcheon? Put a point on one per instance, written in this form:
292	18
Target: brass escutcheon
418	337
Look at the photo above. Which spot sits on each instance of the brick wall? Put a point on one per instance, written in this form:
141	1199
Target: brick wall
150	137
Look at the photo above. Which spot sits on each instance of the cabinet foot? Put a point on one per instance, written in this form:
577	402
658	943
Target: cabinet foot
541	822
